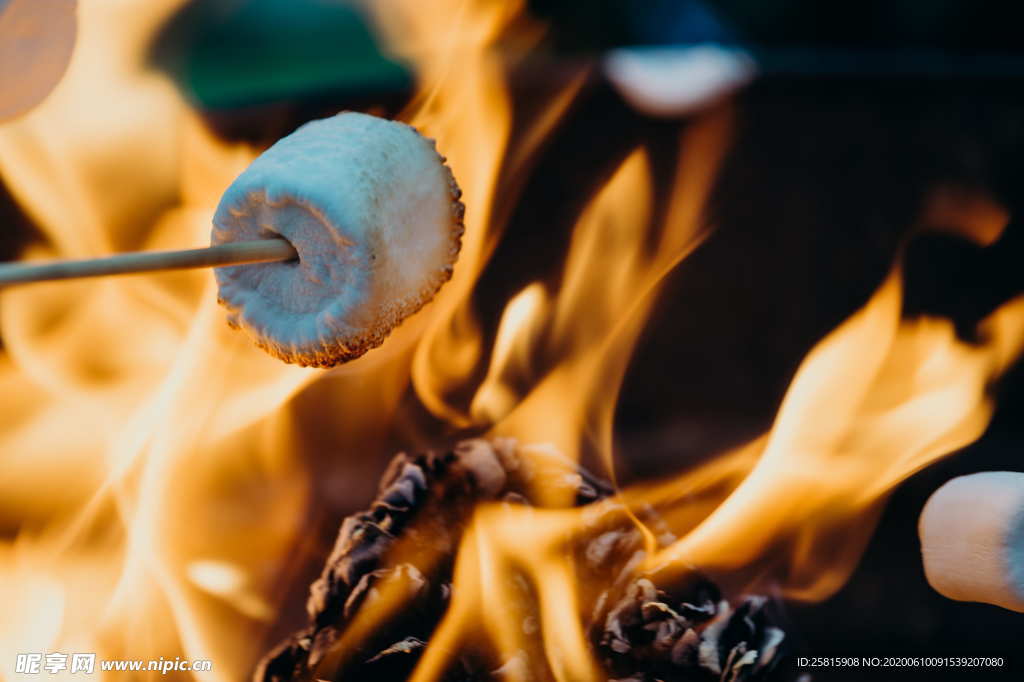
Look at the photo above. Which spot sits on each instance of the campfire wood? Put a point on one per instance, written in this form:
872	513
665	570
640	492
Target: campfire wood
638	630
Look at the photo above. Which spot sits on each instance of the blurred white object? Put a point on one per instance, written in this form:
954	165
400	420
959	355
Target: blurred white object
674	81
972	539
36	41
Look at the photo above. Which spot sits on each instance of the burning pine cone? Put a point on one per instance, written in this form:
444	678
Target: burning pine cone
398	557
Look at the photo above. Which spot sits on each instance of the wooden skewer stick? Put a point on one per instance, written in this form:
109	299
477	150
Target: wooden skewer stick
234	253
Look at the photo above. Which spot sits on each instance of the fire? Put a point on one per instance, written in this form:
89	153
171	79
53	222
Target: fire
874	402
155	489
585	354
462	69
125	433
489	555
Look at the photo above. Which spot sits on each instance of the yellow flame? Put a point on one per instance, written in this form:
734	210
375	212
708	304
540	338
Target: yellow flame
874	402
490	554
461	50
612	275
143	442
154	488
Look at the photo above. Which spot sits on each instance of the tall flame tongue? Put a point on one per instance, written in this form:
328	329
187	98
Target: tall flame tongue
153	486
875	401
464	103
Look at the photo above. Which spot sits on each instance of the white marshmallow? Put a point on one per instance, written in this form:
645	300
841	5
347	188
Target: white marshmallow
375	217
972	539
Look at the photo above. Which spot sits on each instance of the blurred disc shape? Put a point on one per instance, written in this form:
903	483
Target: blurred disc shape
36	41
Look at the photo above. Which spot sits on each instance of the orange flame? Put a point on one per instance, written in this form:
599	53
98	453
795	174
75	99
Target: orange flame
154	479
149	482
874	402
123	427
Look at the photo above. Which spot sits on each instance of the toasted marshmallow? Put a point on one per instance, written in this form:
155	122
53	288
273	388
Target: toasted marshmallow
374	214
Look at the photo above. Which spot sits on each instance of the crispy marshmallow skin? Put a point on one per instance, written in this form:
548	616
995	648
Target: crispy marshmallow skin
375	217
972	539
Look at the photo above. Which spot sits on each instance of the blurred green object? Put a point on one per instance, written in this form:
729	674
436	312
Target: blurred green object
236	53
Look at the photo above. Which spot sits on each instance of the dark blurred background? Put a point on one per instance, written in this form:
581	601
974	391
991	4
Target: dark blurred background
948	25
860	111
